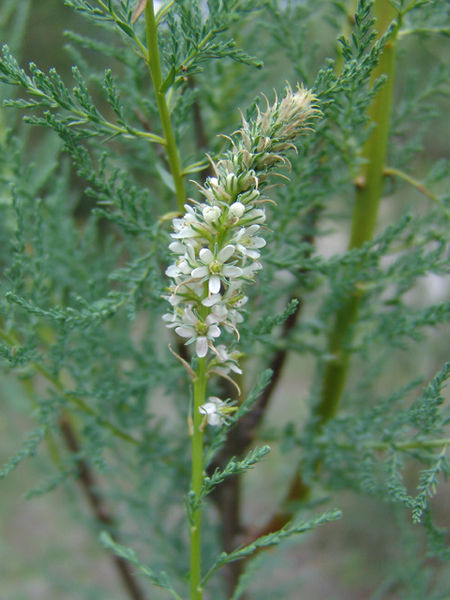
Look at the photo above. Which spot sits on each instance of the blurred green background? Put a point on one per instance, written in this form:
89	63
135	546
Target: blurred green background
46	548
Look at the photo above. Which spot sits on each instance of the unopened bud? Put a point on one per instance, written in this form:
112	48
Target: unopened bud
211	214
237	209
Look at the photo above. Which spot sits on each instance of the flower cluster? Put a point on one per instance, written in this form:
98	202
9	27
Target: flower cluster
217	242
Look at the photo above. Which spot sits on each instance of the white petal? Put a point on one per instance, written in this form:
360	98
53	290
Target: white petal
177	247
252	229
201	346
185	232
184	267
225	253
214	284
206	256
178	224
199	272
239	234
190	252
215	419
222	353
211	300
208	408
185	332
174	299
189	317
231	271
220	311
172	271
253	254
211	319
213	332
257	242
216	401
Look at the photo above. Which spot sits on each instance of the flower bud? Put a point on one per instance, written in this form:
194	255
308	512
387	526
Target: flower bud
211	214
236	210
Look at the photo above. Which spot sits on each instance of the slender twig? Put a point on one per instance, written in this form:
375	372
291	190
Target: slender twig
400	445
73	398
89	485
392	172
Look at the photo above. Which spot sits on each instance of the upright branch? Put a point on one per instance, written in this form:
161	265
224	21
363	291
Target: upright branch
368	192
154	64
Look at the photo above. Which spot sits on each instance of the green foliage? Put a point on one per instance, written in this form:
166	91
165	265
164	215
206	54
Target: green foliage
159	580
272	539
86	198
233	467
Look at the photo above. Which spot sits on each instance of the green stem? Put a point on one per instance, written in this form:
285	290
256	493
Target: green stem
154	64
368	193
369	190
197	479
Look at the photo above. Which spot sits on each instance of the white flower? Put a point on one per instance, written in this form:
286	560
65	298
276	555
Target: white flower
198	330
178	269
227	359
214	268
213	411
247	243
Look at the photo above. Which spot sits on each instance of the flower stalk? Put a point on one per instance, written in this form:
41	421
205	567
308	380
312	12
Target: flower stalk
197	479
216	246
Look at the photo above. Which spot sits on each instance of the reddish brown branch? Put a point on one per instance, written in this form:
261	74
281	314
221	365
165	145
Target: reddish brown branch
89	486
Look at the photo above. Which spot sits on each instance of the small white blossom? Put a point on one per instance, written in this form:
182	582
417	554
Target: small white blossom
247	243
197	330
227	360
211	410
214	267
216	411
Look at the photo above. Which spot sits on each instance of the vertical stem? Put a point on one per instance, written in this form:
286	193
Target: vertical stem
368	193
197	479
369	190
154	64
